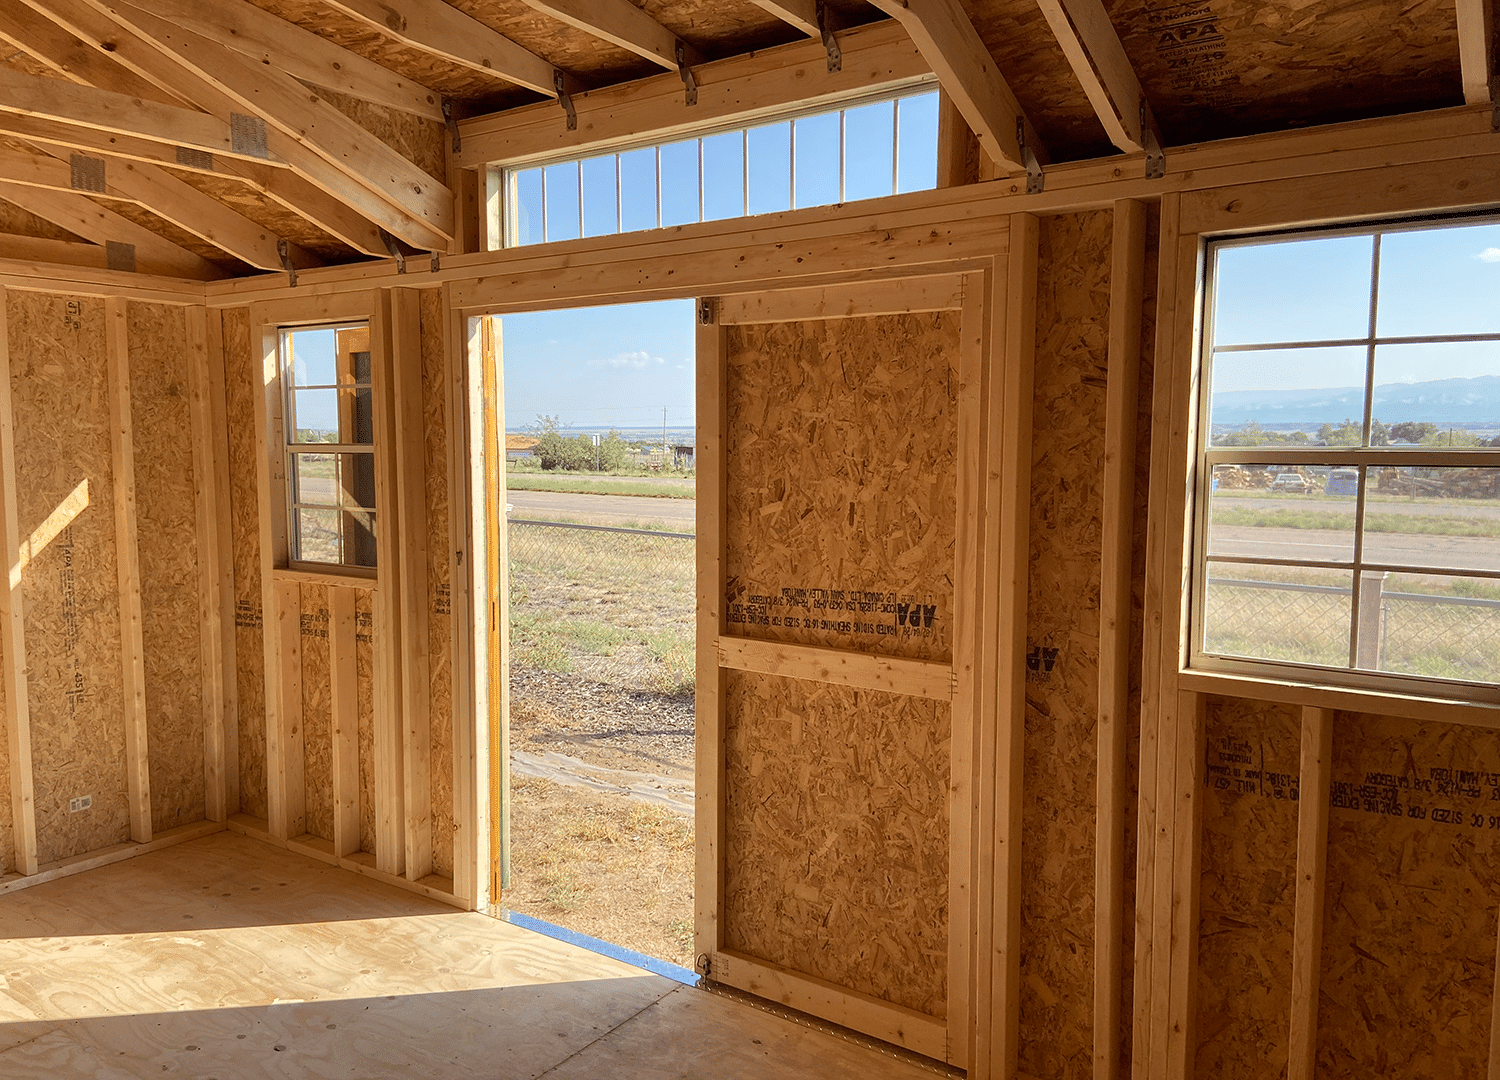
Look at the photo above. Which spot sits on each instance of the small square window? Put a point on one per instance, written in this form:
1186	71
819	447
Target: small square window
329	444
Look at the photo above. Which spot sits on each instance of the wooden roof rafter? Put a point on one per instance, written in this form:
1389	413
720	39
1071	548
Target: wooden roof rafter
165	65
285	46
1098	59
158	191
965	69
434	27
803	14
140	249
622	23
1476	51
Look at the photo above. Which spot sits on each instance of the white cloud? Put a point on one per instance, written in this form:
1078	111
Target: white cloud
639	360
1489	255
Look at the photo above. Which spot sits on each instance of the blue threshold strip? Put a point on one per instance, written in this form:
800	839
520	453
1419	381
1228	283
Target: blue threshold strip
604	948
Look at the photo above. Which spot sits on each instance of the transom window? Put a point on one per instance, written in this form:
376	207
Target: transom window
330	452
860	151
1348	510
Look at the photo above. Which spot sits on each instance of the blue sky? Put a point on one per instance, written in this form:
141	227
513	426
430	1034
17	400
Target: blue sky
1443	281
600	367
618	366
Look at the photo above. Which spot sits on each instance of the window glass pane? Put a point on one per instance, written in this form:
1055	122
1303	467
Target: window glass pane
1298	290
313	359
528	208
1282	512
1440	394
1441	626
869	146
600	204
358	477
770	168
318	536
1434	517
1440	281
916	143
815	140
638	189
562	201
1288	613
724	176
359	538
1288	397
679	183
315	415
315	479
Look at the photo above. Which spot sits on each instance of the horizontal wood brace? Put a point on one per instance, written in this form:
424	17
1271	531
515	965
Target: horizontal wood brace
891	674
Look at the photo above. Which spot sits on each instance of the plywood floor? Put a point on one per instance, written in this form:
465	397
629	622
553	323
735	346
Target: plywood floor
226	958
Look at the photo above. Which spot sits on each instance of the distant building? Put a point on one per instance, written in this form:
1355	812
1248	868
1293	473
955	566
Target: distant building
682	457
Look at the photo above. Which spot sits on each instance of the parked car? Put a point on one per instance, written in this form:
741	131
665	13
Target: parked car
1290	481
1343	482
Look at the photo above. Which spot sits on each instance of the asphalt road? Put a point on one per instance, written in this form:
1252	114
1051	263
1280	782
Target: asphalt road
676	515
1459	552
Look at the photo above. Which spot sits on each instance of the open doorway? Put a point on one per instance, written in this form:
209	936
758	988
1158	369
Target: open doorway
600	504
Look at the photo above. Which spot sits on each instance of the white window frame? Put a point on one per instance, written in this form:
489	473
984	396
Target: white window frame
501	194
1362	458
292	449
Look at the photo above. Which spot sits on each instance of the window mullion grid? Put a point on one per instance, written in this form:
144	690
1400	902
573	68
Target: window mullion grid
619	198
1359	501
791	164
745	171
656	153
700	179
895	142
843	154
542	172
579	169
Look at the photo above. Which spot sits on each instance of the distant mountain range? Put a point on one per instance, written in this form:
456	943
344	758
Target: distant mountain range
1453	401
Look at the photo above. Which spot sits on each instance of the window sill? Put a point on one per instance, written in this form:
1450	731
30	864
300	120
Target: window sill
349	578
1324	696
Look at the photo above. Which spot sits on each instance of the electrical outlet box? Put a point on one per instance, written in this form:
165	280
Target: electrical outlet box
83	802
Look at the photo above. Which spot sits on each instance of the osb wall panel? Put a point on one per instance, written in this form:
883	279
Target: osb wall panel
836	835
364	666
1248	890
60	397
167	542
1409	923
317	711
242	387
439	604
841	451
1058	805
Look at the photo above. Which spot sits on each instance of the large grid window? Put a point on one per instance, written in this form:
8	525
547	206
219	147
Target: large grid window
330	452
861	151
1348	510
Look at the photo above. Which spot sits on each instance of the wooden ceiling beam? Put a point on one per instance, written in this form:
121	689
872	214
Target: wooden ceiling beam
1093	49
423	204
37	249
90	22
1476	50
262	36
620	23
51	45
433	26
150	253
163	194
803	14
282	187
948	41
66	102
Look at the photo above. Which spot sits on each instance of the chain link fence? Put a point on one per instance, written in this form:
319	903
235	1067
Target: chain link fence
1449	637
603	556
